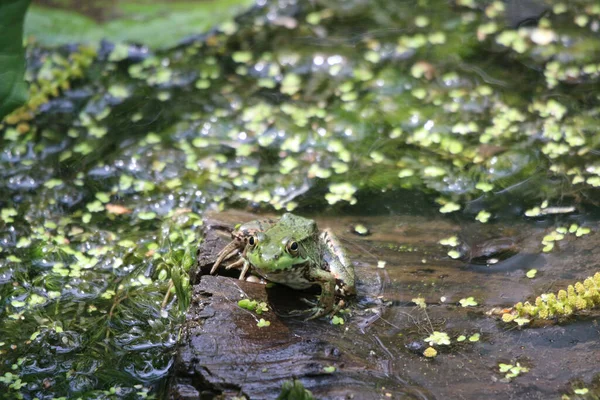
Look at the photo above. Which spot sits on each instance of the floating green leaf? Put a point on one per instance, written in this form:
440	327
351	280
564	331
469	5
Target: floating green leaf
468	302
439	338
262	323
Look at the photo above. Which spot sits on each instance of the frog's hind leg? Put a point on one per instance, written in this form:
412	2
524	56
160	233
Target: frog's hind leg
326	300
335	256
226	253
316	310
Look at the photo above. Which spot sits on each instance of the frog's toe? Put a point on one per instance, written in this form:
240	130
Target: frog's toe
226	253
317	312
309	302
296	313
236	264
317	308
313	312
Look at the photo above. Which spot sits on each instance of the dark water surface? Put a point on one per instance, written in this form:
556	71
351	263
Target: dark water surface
420	120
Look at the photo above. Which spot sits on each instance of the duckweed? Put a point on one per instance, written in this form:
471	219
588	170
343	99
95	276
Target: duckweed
512	370
438	338
560	233
468	302
451	241
474	337
262	323
420	302
483	216
454	254
449	207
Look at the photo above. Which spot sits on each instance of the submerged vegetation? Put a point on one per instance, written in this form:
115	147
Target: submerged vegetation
106	172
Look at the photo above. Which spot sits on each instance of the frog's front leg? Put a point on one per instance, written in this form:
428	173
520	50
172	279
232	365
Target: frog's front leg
245	268
326	301
226	253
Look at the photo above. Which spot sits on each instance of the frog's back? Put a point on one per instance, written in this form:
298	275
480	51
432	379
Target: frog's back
254	226
293	226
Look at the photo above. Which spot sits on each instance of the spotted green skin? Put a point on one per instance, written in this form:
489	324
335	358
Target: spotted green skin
319	260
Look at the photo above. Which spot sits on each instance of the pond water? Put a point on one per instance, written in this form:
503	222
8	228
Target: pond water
418	121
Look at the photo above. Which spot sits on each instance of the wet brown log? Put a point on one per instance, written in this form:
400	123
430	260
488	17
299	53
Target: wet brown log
378	351
225	352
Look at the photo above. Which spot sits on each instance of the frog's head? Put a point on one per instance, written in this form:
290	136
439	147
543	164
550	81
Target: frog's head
275	253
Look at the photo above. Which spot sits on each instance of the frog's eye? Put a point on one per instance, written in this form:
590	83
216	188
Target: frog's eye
292	247
252	241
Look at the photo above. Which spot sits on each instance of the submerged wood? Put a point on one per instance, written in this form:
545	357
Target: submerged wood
224	352
378	351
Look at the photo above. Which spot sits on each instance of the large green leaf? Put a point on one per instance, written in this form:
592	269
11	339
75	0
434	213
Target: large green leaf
13	90
157	24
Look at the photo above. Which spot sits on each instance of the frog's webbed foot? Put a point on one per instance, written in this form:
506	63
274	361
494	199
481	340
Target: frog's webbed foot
316	313
294	313
317	310
314	309
320	311
313	312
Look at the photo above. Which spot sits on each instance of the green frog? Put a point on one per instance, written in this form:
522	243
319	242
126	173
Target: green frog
291	251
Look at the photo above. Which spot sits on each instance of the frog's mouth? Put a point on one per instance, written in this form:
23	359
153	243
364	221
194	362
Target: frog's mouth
276	264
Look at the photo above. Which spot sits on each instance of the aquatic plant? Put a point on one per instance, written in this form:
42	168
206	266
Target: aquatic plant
106	173
310	118
438	338
55	75
581	296
294	390
512	370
